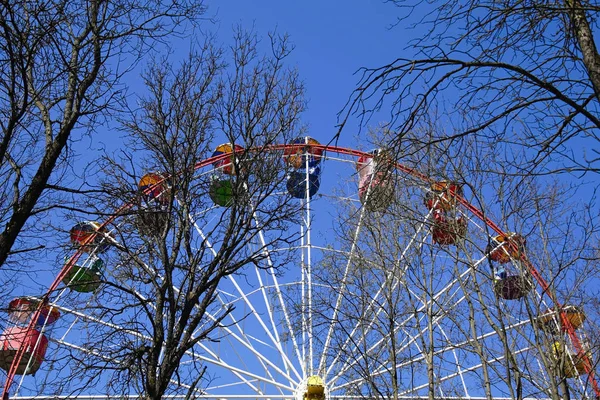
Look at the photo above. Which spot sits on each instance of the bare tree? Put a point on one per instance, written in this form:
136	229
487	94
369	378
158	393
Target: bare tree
175	244
425	308
62	65
522	75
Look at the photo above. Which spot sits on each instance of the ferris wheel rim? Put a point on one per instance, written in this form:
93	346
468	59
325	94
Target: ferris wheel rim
337	150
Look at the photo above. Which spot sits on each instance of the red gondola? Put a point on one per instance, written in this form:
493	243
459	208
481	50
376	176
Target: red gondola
20	336
448	231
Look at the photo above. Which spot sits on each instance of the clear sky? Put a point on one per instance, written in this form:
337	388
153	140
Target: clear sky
333	39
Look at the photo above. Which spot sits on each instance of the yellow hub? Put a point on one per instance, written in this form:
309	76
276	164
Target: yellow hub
313	388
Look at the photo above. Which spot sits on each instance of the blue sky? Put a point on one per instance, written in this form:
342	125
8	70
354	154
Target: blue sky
333	40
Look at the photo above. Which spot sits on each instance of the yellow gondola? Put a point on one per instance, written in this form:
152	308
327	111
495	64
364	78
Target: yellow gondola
315	388
572	365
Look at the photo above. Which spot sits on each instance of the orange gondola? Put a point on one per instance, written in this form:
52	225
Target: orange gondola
443	195
301	153
551	320
155	191
506	247
154	188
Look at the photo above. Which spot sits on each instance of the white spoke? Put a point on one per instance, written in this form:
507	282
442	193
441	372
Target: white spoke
244	297
282	304
421	358
215	360
384	303
341	292
371	308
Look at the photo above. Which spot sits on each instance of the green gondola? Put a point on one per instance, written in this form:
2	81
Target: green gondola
85	279
221	192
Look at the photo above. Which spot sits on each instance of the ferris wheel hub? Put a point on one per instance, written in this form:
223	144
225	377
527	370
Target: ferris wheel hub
311	388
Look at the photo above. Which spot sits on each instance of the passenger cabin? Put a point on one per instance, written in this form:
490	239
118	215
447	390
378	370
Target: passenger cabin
90	237
304	167
228	165
551	320
85	277
569	363
443	195
375	183
315	389
32	342
506	247
448	230
154	188
512	287
221	189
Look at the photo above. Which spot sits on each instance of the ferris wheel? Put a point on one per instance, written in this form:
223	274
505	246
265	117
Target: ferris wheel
380	282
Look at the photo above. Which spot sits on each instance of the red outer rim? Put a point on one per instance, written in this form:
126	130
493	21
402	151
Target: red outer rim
322	148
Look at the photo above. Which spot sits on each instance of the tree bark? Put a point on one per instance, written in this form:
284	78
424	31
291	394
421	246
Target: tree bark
585	39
